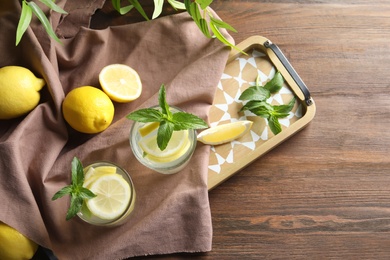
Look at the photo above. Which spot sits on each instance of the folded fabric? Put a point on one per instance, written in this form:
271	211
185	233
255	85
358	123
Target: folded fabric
172	212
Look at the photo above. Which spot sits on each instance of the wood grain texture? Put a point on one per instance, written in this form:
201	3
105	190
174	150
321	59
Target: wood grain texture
324	193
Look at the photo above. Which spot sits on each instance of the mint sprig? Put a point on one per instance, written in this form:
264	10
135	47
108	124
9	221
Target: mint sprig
76	190
257	104
169	121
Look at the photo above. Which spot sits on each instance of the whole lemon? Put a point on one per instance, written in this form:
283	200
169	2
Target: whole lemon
19	91
14	245
88	109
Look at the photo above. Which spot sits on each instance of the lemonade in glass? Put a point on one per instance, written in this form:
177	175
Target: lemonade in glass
163	137
177	154
115	195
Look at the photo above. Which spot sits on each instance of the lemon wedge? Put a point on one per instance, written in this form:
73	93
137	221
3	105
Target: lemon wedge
113	195
176	146
120	82
225	133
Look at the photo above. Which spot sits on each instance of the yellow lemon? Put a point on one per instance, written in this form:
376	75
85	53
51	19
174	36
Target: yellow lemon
14	245
19	91
88	109
113	195
224	133
120	82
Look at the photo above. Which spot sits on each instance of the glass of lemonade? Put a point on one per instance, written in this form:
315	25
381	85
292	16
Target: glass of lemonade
115	192
177	154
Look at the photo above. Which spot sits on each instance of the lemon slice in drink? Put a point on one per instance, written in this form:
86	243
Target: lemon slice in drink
176	144
225	133
93	173
120	82
112	196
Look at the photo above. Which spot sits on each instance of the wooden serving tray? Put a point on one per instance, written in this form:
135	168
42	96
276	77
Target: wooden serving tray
264	58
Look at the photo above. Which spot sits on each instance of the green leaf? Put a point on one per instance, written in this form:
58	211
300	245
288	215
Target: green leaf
275	84
222	38
283	110
164	134
163	102
146	115
222	24
53	6
76	190
75	206
43	19
187	4
158	6
183	120
263	109
139	8
86	193
77	172
204	28
177	5
64	191
204	3
274	125
122	10
24	21
255	93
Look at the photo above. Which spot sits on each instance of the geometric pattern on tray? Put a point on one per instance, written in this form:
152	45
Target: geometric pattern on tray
238	75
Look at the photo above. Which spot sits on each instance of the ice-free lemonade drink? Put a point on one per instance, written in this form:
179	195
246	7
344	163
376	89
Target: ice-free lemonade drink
115	194
143	142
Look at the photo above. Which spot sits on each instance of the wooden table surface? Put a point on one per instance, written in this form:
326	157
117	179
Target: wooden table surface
325	192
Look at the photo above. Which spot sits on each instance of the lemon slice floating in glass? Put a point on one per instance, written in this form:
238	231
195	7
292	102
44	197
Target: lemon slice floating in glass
120	82
176	147
225	133
112	196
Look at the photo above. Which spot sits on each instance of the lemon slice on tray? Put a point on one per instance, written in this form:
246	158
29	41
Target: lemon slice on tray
120	82
112	196
225	133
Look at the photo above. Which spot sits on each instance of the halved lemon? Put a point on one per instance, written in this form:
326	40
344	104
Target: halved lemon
225	133
176	144
120	82
113	195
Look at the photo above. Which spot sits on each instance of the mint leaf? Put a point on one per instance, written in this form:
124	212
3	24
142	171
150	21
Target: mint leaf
275	84
183	120
285	109
61	193
274	125
146	115
164	134
76	190
163	102
255	93
257	104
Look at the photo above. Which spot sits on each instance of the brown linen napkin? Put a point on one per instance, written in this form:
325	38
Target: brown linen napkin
172	212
